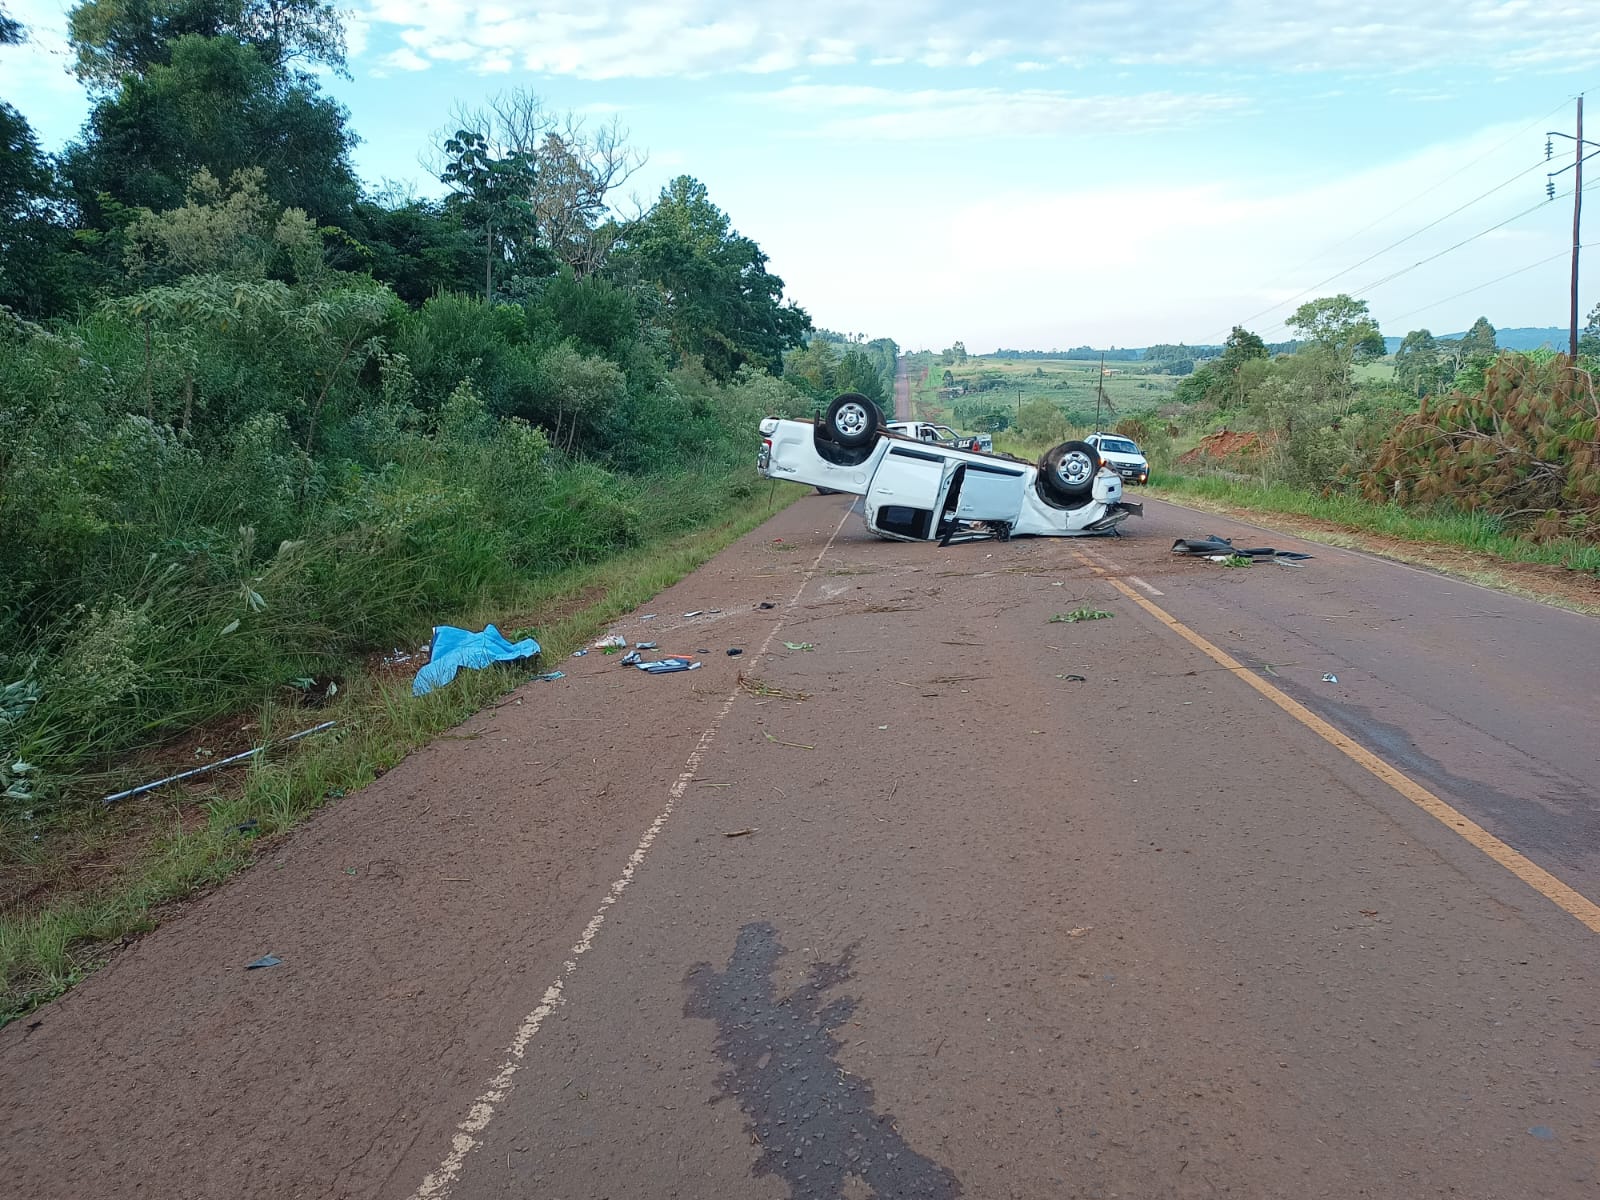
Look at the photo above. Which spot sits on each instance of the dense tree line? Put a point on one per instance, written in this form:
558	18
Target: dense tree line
255	416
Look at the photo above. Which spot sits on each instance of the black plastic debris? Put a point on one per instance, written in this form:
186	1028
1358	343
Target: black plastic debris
247	828
266	960
1213	545
667	666
767	604
735	652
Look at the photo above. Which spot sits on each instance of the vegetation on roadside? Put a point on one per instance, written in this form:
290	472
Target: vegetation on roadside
168	844
256	422
1490	449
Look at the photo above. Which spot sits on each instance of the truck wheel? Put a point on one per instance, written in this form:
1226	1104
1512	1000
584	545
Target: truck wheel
852	421
1066	473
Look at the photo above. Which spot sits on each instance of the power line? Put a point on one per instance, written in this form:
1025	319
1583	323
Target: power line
1395	245
1392	276
1481	286
1437	184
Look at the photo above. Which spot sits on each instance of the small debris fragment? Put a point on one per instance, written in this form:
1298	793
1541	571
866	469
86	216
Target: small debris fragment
697	612
645	645
247	828
648	617
1074	678
1543	1132
579	653
266	960
611	644
801	645
631	659
1079	614
739	833
1079	930
549	676
1330	677
797	745
734	652
666	666
766	604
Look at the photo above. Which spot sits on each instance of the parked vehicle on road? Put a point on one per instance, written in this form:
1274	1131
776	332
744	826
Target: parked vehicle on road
1122	455
928	431
925	491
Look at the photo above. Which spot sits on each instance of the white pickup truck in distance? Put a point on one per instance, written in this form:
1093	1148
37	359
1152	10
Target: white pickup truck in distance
917	491
928	431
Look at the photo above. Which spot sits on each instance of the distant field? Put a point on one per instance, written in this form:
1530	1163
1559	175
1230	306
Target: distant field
1071	385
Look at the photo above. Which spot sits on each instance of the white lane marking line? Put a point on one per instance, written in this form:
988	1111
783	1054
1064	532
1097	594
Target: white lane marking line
1107	561
438	1183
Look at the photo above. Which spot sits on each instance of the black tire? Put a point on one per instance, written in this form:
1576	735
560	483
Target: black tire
852	421
822	491
1066	473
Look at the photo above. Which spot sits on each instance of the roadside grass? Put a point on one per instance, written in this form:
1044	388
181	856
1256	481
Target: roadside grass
64	916
1480	532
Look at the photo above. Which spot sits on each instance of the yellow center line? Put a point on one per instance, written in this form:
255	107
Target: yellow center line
1566	898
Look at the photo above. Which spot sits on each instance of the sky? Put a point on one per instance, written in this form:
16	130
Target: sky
1031	175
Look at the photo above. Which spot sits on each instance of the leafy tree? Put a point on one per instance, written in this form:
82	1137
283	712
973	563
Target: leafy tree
1416	363
1479	340
719	301
1589	342
10	31
1241	347
494	191
1340	324
417	247
222	105
114	39
856	373
234	230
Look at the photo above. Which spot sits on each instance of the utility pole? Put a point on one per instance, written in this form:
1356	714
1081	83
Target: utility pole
1100	392
1578	155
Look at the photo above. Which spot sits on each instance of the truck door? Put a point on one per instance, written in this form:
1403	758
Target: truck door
990	491
906	488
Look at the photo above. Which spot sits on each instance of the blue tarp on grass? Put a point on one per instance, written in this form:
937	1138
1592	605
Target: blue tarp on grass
455	648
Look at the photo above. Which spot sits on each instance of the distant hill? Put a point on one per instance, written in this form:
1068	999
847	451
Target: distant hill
1526	337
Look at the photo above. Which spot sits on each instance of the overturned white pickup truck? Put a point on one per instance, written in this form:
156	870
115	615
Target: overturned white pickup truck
916	491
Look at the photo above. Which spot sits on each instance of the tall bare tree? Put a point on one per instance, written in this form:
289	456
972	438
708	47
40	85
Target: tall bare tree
576	170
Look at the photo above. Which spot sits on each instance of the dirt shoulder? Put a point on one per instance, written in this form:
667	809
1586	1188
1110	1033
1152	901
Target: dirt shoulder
1545	582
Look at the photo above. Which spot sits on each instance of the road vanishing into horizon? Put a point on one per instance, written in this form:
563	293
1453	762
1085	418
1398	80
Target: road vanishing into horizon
1277	882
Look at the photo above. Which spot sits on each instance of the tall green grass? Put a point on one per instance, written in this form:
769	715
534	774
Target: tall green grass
46	947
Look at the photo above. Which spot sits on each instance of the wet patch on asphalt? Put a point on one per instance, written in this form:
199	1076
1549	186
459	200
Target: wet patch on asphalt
1560	824
816	1123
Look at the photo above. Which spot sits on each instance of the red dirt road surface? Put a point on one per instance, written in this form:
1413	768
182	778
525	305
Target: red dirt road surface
958	923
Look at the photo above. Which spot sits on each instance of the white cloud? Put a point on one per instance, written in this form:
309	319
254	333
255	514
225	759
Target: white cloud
608	39
406	59
1027	267
874	112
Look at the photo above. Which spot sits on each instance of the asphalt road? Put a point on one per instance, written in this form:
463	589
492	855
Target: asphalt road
957	923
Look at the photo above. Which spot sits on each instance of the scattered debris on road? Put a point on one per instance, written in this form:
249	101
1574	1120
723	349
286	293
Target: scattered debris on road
611	644
631	659
1217	548
1074	678
797	745
646	645
666	666
760	687
734	652
739	833
1080	614
454	648
801	645
1330	677
766	604
266	960
549	676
